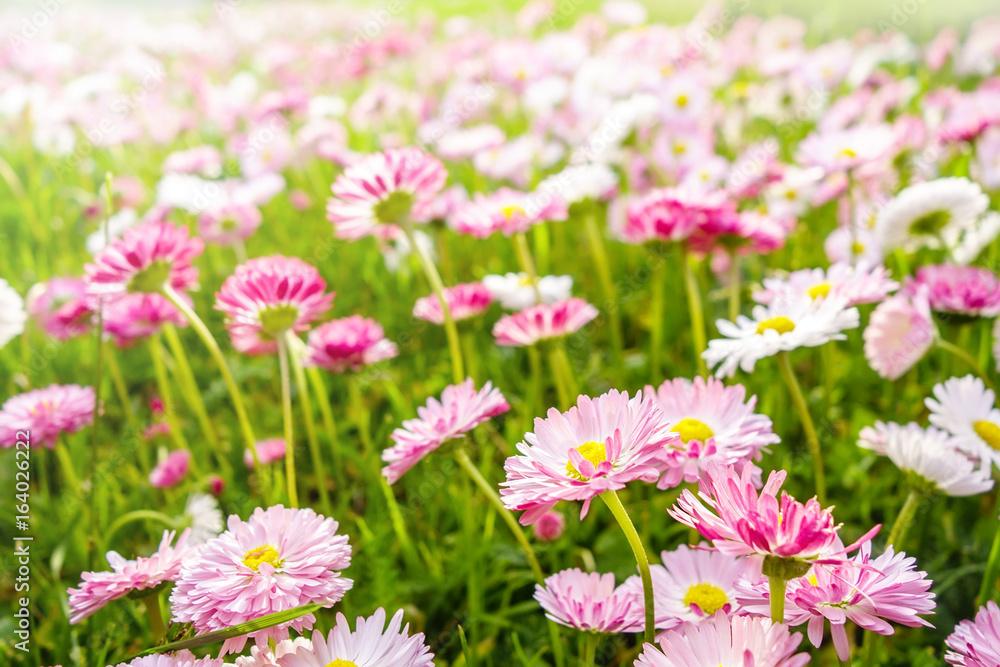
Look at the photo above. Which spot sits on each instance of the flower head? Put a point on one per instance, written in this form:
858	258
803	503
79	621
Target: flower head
183	658
898	335
60	306
586	601
966	409
268	451
46	413
673	214
507	211
958	290
203	517
230	223
543	322
976	643
549	526
465	301
133	317
854	284
745	233
840	150
171	470
350	343
929	214
12	314
514	291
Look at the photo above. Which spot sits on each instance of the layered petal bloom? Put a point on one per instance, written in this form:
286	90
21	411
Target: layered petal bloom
60	307
460	410
673	214
371	644
782	326
171	470
967	410
589	602
515	291
599	445
230	223
746	233
12	313
543	322
130	577
268	451
871	593
714	423
144	259
465	301
276	560
840	150
507	211
133	317
854	284
958	290
183	658
929	214
747	641
381	189
350	343
976	643
898	335
46	413
268	296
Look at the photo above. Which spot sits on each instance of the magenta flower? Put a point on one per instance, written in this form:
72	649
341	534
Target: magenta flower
349	343
507	211
144	259
60	307
585	601
549	526
673	214
267	296
899	333
745	233
276	560
268	451
599	445
543	322
382	189
133	317
465	301
171	470
46	413
976	643
959	290
460	410
130	577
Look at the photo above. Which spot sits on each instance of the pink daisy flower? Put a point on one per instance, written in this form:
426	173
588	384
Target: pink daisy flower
381	189
898	335
869	592
267	296
507	211
268	451
371	644
230	223
714	423
549	527
182	658
746	233
144	259
854	284
840	150
133	317
599	445
171	470
750	641
960	290
465	301
130	577
349	343
276	560
46	413
976	643
673	214
585	601
460	410
543	322
60	307
739	522
265	657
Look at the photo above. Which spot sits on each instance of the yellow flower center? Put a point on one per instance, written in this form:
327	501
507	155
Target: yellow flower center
820	289
847	152
857	247
593	452
707	597
679	149
790	195
813	580
524	281
265	553
780	324
682	100
512	210
989	432
692	429
341	663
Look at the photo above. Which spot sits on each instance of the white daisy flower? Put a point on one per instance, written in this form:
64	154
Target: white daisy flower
204	517
975	239
966	409
927	214
398	250
793	194
929	455
785	325
514	291
581	182
12	315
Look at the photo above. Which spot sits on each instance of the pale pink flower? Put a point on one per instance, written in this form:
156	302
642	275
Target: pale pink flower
543	322
60	307
202	160
601	444
841	150
899	333
960	290
171	470
276	560
465	301
130	577
230	223
268	451
549	526
585	601
976	643
507	211
133	317
854	284
673	214
183	658
46	414
350	343
460	410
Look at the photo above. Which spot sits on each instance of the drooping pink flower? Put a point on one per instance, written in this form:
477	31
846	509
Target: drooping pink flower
601	444
349	343
230	223
371	644
589	602
130	577
276	560
460	410
46	413
507	211
171	470
144	259
60	307
465	301
899	333
976	643
549	526
133	317
673	214
383	188
268	296
268	451
959	290
543	322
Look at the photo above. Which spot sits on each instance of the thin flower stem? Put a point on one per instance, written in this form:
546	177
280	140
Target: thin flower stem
967	358
734	286
776	586
526	262
152	603
562	391
799	401
567	370
409	552
166	394
904	520
303	389
138	515
469	350
614	503
696	308
118	382
326	412
988	585
656	317
434	278
186	378
607	281
590	641
69	472
286	411
535	362
361	416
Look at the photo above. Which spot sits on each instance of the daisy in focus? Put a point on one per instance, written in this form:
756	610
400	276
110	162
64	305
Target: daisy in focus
966	409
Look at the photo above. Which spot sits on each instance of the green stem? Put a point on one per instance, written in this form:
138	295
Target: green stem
607	281
988	585
191	393
66	461
562	391
656	316
399	527
535	395
590	641
523	251
451	331
303	389
734	286
118	381
569	379
152	603
904	520
286	411
362	419
696	308
469	350
776	586
614	503
799	401
326	412
138	515
163	386
967	358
